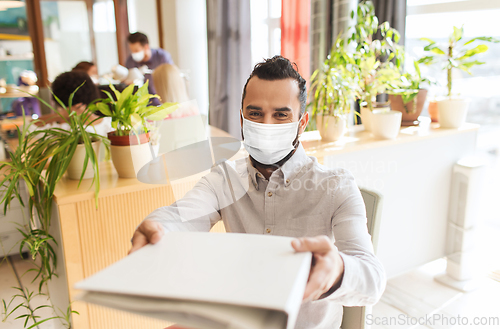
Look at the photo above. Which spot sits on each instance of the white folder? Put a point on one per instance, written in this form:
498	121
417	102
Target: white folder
207	281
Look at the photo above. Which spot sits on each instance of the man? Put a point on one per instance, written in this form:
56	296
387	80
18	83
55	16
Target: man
279	190
143	55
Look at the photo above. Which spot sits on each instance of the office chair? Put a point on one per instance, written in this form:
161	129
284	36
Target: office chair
354	317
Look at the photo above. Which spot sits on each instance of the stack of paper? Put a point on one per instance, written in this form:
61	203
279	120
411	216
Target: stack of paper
208	281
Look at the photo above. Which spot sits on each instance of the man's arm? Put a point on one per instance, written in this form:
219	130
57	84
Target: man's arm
198	210
347	272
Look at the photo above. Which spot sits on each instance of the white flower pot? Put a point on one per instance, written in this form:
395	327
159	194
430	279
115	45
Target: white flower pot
386	124
75	167
331	128
128	160
452	112
366	116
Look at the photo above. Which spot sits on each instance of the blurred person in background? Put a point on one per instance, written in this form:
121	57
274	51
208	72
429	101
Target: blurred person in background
89	68
146	59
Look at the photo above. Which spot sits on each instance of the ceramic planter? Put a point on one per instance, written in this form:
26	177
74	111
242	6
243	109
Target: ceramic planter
411	110
386	124
75	167
366	116
331	128
128	155
452	112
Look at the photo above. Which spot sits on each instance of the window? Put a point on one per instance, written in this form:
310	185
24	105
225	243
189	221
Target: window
265	20
435	19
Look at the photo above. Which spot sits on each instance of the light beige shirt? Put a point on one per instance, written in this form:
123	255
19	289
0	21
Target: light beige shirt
302	198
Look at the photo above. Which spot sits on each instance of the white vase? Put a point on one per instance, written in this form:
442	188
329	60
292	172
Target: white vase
452	112
128	160
386	124
331	128
75	167
366	116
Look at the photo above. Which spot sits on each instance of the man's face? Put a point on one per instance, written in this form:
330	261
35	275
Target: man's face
273	102
137	47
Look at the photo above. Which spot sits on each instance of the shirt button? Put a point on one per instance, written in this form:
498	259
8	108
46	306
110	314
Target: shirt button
270	194
268	230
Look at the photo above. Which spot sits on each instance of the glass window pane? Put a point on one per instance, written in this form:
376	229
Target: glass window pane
105	35
66	33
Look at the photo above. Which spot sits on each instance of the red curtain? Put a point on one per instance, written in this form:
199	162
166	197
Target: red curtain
295	22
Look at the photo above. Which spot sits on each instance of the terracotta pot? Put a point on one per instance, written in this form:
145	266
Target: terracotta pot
331	128
127	139
75	167
433	111
410	110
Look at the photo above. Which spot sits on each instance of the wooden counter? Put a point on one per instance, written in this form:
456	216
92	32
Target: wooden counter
414	177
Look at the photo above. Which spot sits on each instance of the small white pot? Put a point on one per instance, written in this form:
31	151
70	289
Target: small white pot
128	160
75	167
386	124
452	112
366	116
331	128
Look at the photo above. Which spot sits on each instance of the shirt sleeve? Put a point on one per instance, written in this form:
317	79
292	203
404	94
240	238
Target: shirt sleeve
364	276
129	63
198	210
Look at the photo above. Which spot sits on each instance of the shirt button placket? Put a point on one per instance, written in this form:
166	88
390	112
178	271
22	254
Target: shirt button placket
269	209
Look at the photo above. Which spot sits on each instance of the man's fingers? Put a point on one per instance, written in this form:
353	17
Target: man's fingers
318	281
152	230
147	232
139	240
320	244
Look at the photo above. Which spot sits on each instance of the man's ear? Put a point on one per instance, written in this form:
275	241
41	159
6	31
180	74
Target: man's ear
303	122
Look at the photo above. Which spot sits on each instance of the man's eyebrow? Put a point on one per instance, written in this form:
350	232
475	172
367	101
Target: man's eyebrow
253	107
283	109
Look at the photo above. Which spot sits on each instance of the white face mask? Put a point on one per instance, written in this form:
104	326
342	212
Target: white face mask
269	143
138	56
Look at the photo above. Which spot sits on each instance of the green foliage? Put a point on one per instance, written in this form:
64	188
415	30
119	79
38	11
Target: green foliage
456	54
377	63
39	162
130	110
333	85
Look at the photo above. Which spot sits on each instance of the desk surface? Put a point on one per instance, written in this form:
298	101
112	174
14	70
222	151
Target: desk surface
17	92
355	140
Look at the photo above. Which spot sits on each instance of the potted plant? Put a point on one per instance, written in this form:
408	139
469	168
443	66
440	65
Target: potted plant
40	160
457	54
377	62
333	90
409	99
129	112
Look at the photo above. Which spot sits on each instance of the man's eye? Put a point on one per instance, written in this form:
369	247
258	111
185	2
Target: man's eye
254	114
281	115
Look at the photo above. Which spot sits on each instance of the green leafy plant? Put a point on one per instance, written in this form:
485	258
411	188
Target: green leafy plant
457	54
333	85
130	110
410	85
39	162
377	62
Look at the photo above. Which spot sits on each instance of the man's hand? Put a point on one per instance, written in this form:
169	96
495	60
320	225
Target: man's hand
328	266
147	232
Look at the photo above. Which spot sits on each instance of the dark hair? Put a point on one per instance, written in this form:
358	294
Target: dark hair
83	66
279	68
138	37
66	83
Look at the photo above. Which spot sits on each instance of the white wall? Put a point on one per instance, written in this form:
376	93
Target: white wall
185	37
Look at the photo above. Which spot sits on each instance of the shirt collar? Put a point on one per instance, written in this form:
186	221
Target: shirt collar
290	168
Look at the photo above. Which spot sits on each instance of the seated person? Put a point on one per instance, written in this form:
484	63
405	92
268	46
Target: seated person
279	190
89	68
171	87
62	87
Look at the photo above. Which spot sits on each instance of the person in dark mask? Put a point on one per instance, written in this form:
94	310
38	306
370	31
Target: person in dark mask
279	190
